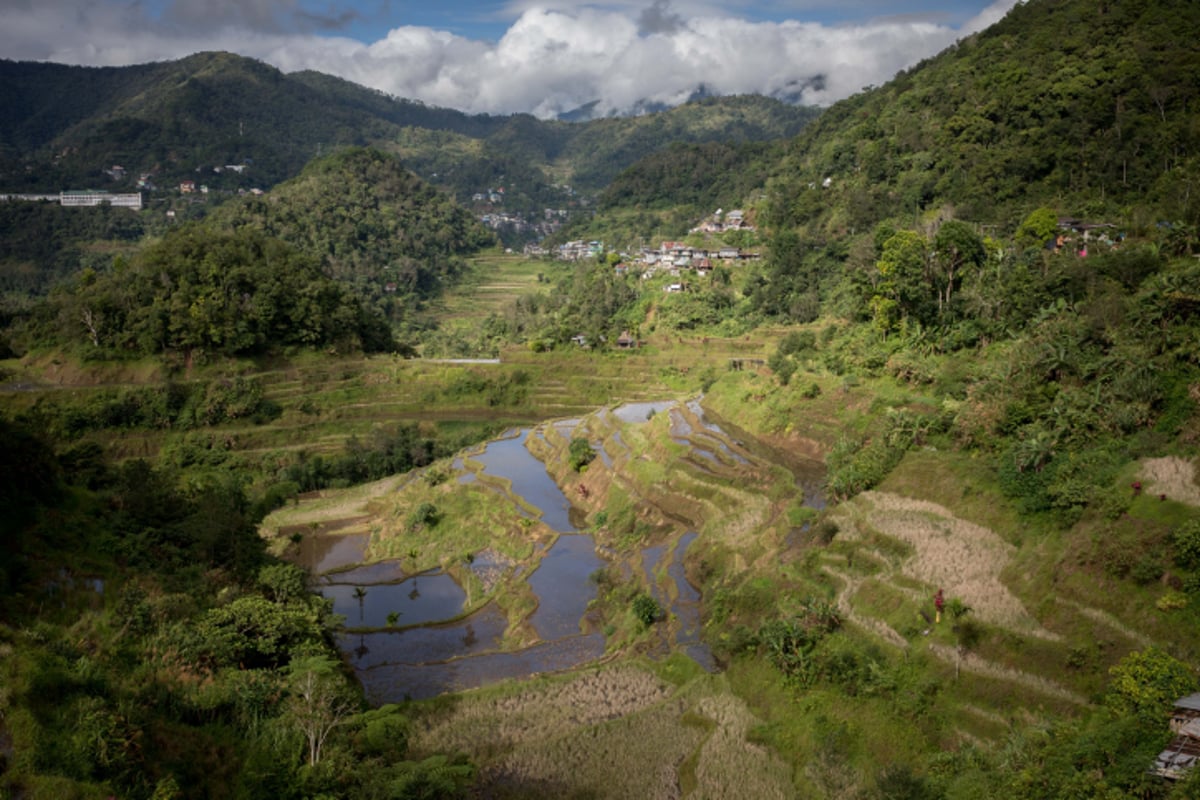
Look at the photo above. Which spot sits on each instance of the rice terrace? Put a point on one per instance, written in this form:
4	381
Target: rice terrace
717	446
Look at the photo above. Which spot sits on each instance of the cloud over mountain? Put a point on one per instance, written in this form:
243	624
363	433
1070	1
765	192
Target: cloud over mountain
547	62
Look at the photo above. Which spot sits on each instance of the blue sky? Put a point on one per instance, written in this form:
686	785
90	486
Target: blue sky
539	56
370	20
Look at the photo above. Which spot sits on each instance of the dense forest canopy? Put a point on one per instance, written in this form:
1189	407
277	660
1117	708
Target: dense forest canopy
370	223
201	290
1087	106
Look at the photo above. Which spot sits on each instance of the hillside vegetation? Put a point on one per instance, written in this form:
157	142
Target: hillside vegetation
370	222
1088	106
937	455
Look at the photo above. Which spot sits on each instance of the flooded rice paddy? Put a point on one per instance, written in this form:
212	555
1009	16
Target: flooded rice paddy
406	635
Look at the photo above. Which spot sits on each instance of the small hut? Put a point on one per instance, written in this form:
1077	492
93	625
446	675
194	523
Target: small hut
1184	750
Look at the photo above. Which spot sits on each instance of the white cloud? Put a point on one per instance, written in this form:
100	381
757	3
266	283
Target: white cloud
547	61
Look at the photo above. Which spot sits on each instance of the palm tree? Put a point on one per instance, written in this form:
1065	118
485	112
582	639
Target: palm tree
360	594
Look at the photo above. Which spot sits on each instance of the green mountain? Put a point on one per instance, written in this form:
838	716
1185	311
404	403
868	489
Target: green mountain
353	228
1083	105
534	160
176	120
63	126
1087	107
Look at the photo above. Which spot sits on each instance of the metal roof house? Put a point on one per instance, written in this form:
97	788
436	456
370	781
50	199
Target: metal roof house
1184	750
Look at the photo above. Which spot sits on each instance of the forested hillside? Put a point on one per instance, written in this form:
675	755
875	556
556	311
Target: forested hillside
42	243
370	223
338	254
1089	106
203	291
170	120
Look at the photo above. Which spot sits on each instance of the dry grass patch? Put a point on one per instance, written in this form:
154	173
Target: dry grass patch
1173	476
484	725
617	732
729	765
962	558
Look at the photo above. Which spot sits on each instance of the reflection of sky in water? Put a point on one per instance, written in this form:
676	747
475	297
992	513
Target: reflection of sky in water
640	412
687	608
680	427
603	454
422	662
394	682
422	598
509	458
562	586
705	443
323	552
478	633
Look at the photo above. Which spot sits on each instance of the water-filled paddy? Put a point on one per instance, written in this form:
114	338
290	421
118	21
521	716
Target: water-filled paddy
509	458
426	655
420	599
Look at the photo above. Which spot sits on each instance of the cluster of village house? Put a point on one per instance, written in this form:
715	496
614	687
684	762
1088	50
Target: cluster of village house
190	187
721	221
672	257
552	220
1077	235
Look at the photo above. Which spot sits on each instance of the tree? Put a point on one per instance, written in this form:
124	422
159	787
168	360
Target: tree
903	287
1147	682
1037	228
646	609
319	701
956	248
581	453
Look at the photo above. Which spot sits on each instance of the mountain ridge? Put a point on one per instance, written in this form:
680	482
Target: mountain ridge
64	126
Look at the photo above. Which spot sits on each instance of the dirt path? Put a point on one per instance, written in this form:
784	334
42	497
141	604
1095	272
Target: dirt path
969	662
850	585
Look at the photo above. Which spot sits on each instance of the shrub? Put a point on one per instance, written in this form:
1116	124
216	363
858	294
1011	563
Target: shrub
646	610
1186	540
1147	682
1172	601
1148	569
426	515
580	453
783	367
